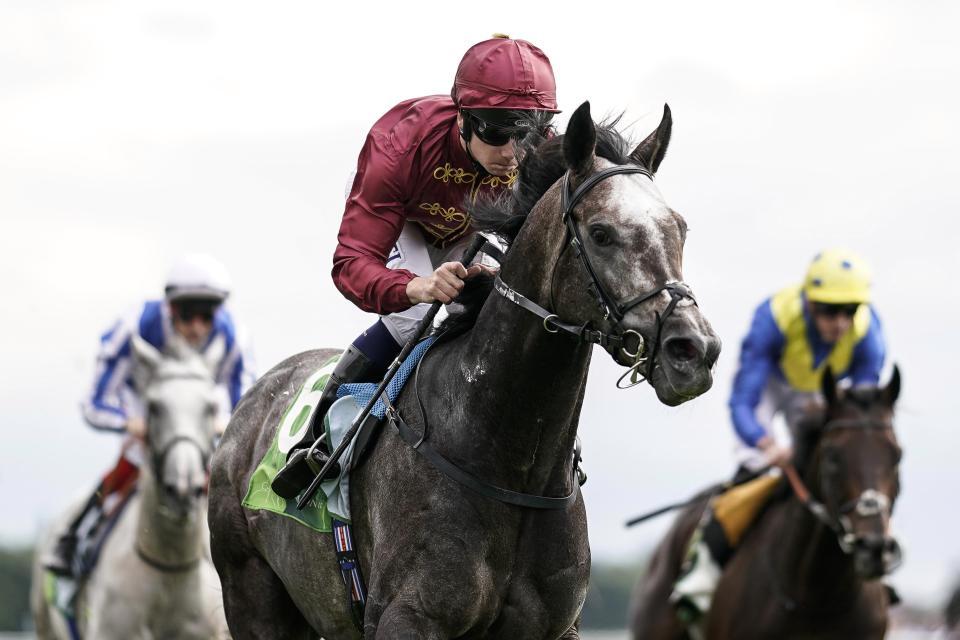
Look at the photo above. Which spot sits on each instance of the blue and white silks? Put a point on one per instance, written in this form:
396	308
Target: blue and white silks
113	399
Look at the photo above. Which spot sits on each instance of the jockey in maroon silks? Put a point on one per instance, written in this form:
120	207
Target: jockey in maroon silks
405	224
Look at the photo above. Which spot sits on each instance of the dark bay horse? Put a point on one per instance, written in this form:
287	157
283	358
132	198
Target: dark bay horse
796	575
503	402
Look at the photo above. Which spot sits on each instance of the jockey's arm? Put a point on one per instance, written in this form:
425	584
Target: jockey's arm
108	405
372	222
236	371
759	353
869	354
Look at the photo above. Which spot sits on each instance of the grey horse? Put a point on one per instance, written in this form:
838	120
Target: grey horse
154	577
502	401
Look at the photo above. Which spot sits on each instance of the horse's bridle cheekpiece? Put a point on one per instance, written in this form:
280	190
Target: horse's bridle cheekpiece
619	339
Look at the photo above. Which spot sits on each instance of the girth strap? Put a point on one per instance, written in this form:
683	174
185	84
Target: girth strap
452	471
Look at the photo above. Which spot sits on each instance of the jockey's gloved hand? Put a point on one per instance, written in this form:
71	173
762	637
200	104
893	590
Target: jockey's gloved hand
775	454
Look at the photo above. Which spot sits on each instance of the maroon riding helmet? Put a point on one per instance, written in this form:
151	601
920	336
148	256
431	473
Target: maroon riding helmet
504	87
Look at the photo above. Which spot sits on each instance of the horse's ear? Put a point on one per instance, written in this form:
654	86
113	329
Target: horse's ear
580	140
146	359
649	153
828	384
892	391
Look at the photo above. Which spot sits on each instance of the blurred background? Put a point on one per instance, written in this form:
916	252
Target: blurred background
133	132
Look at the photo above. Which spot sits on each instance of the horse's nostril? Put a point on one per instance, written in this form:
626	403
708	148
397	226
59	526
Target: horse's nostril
682	349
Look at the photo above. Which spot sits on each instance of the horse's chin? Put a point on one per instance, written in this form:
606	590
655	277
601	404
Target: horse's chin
869	566
674	387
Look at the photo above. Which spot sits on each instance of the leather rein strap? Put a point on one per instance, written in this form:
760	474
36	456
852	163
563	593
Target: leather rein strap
552	322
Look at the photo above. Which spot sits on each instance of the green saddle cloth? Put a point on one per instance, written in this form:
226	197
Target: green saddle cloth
332	501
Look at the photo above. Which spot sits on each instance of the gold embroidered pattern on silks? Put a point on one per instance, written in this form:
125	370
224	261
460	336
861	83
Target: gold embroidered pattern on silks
446	173
458	221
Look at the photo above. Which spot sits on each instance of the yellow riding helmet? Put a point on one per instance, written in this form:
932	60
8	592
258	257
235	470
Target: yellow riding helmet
838	276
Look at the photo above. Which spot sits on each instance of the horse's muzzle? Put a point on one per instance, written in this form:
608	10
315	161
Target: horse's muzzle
875	556
180	503
685	362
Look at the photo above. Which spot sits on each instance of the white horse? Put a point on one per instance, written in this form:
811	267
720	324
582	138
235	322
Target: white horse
154	578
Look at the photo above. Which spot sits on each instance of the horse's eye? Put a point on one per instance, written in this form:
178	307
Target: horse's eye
600	236
153	409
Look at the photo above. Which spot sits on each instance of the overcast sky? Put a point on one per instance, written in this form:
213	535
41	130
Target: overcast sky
131	132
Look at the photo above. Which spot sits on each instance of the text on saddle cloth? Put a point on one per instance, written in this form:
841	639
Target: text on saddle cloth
333	499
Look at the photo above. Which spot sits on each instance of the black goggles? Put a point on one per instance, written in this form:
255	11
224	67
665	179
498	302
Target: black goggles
513	126
187	310
834	310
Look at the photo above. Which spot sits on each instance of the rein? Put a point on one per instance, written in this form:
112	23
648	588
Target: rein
614	311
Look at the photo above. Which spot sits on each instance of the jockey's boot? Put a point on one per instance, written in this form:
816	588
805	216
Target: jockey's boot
59	560
299	471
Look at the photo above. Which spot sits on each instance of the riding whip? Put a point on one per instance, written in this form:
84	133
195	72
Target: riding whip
717	488
472	250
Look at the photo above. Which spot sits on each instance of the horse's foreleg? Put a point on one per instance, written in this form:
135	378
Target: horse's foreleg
256	603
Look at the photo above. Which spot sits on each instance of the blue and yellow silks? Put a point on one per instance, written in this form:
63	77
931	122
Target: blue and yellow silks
783	342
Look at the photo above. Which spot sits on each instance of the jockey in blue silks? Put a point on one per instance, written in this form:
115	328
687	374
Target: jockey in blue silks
795	335
193	311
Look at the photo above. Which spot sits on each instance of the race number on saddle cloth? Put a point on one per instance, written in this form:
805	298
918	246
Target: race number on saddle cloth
332	502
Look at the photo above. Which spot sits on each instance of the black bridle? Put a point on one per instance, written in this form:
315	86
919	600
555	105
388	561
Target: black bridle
619	339
869	503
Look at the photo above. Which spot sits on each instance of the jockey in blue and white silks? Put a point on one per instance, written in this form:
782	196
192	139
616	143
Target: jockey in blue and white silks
113	400
795	335
191	313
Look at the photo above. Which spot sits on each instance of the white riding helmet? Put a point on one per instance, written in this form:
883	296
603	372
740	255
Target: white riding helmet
197	275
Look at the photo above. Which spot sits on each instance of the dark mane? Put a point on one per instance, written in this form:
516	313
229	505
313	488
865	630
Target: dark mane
541	167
